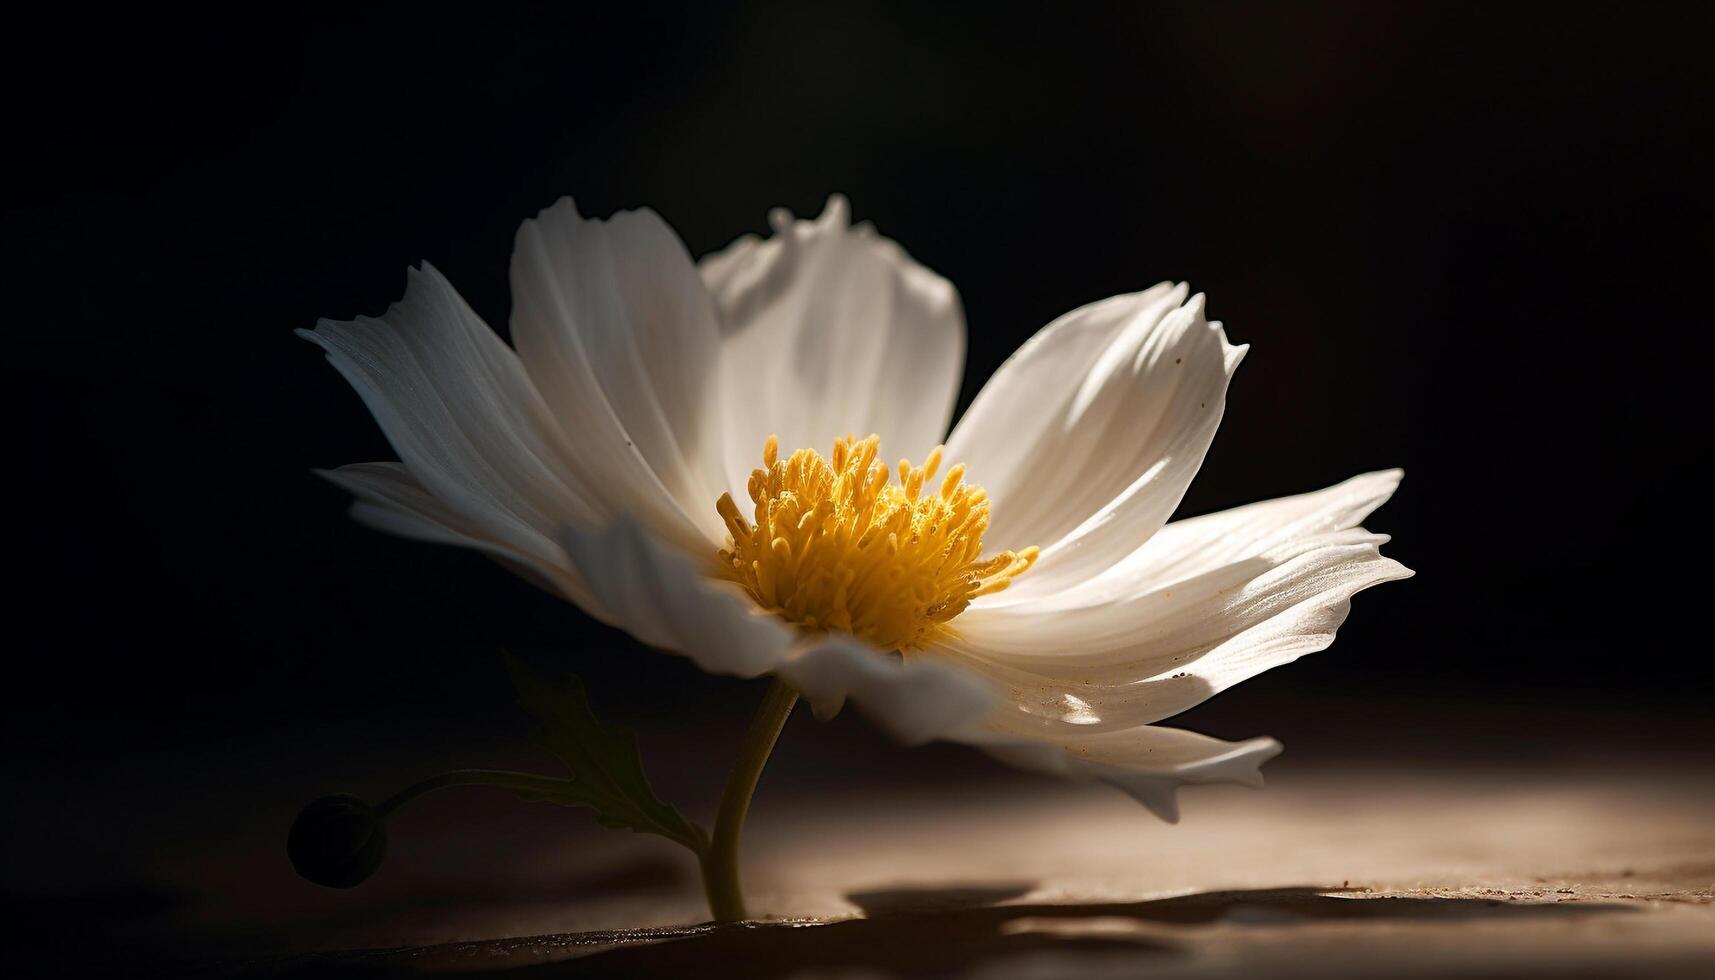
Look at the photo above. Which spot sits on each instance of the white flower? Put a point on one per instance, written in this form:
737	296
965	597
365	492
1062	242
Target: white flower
1051	620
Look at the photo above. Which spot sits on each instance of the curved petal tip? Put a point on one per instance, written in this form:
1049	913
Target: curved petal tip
911	701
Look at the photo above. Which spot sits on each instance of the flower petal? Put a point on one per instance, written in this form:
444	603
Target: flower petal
1148	763
390	499
1203	605
912	701
466	421
654	592
1191	547
830	330
1087	438
616	330
1205	552
1158	653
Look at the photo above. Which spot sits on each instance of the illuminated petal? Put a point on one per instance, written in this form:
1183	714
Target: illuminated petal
829	331
1160	652
1183	551
616	330
1197	545
1147	762
457	406
1089	435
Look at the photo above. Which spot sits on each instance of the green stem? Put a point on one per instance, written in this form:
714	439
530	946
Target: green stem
521	781
720	860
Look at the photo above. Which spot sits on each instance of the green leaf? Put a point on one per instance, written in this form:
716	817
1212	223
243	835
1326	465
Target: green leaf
607	770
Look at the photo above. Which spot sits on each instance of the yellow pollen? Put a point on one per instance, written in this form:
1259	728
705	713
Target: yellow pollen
836	546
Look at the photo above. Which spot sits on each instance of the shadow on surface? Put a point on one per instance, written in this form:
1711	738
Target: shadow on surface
921	933
630	877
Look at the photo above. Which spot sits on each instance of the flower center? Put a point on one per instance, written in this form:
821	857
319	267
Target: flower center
836	546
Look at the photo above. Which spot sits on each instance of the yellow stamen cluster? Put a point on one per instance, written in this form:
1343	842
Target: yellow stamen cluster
837	546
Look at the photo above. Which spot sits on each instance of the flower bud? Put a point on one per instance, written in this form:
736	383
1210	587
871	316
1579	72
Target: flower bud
337	841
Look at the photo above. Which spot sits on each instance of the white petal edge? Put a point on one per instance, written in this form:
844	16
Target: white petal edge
912	701
1150	764
390	499
1208	602
1196	545
1185	560
831	330
1191	651
615	328
1088	437
465	419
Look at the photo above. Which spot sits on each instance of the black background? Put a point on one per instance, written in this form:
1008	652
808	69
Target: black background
1474	241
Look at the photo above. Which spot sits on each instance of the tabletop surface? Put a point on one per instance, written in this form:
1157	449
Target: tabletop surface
935	862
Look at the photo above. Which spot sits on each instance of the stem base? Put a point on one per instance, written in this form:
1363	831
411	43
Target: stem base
719	861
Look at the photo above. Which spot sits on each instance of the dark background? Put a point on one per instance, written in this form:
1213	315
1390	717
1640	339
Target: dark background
1474	241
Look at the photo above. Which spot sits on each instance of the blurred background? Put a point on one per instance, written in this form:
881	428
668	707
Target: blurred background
1472	240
